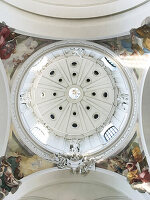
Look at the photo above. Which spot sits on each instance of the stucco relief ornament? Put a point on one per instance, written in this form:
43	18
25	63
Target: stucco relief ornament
76	162
75	51
123	101
26	99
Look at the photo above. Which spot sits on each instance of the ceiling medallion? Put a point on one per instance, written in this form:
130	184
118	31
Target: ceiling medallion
74	93
72	102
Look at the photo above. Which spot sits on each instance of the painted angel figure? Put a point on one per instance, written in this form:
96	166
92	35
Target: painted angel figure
140	39
8	182
7	41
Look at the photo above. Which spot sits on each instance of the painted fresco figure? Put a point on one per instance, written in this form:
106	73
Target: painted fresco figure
144	185
139	43
8	182
138	174
132	164
140	39
7	42
15	164
116	164
133	174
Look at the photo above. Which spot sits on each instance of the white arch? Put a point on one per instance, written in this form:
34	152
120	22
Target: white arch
34	198
103	198
145	113
4	110
112	198
78	9
37	24
102	178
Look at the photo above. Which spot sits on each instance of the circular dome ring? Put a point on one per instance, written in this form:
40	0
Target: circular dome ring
43	149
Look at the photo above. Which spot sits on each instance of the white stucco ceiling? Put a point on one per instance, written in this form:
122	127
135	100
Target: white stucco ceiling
68	92
91	20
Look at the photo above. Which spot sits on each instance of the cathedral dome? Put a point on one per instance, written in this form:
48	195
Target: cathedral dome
73	96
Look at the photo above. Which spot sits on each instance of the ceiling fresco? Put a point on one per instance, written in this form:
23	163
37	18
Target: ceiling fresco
20	161
131	163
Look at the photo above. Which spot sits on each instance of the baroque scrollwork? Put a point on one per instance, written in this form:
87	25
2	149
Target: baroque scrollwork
75	160
123	101
26	99
77	163
75	51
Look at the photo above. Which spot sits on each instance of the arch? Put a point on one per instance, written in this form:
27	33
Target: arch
88	28
4	110
145	113
100	178
78	9
34	198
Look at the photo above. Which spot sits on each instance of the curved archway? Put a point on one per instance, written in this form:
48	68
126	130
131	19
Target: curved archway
78	9
145	114
86	28
4	110
54	183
